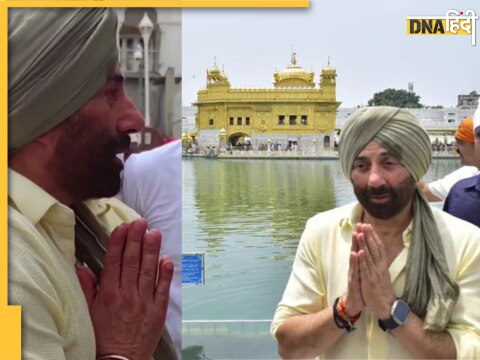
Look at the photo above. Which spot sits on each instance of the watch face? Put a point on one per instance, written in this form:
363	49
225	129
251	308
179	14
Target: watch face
400	312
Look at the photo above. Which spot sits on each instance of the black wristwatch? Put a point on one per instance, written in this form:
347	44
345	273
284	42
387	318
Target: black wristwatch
398	316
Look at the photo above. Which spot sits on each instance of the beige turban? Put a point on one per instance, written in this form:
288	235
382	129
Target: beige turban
428	289
58	59
393	128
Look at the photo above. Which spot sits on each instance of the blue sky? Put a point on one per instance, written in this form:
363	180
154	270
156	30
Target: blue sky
365	40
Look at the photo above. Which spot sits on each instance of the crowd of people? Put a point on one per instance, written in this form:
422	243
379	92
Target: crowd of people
439	147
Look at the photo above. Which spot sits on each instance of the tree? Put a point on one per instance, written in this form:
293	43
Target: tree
394	97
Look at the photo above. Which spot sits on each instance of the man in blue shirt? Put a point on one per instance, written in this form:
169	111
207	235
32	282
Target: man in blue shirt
463	200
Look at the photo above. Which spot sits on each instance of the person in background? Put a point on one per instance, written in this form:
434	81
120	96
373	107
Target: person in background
68	117
463	200
152	186
404	275
464	146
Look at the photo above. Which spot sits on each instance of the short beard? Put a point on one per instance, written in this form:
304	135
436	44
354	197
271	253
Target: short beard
399	197
85	165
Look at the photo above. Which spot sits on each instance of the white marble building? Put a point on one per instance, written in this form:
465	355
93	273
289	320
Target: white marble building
164	63
437	122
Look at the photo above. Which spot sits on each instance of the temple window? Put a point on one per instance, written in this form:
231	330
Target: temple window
232	121
304	120
210	122
281	119
293	119
247	121
239	121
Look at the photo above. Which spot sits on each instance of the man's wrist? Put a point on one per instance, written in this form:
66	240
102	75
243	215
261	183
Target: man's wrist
386	311
398	316
349	309
340	317
112	357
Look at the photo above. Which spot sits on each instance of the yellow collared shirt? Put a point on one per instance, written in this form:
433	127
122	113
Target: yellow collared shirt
320	271
55	320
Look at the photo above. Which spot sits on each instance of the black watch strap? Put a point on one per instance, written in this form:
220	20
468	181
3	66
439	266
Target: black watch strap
398	316
387	325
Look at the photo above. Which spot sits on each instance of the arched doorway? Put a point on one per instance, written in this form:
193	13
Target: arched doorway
326	142
240	141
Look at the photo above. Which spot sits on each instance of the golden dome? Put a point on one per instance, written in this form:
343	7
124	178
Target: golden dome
328	67
215	76
294	76
214	70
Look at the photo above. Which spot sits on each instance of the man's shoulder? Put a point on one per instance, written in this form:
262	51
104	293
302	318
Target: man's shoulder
28	247
443	186
463	172
150	171
19	223
155	157
455	227
332	218
466	183
458	194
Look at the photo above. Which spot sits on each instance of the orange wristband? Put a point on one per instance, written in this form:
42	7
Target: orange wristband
343	312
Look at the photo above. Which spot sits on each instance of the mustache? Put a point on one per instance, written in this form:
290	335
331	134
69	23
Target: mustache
118	144
124	141
379	191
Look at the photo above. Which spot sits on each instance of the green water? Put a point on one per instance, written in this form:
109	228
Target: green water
247	217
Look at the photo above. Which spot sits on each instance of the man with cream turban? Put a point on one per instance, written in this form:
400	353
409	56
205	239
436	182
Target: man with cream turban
463	201
68	117
387	265
464	145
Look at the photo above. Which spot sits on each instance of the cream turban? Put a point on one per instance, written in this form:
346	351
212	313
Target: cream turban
58	60
428	289
395	129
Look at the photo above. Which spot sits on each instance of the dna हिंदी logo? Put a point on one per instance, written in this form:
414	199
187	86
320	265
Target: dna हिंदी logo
453	23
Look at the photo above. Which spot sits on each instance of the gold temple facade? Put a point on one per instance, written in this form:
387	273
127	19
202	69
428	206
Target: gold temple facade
295	112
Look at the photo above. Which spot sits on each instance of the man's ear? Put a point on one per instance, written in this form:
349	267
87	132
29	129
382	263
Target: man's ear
35	153
48	140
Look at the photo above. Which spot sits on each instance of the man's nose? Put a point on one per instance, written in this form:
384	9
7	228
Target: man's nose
130	119
375	177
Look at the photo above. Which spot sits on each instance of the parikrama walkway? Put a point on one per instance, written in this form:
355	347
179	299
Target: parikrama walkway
289	155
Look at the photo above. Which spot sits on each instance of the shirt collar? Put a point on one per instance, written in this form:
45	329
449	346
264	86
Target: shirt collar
29	198
355	216
98	207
